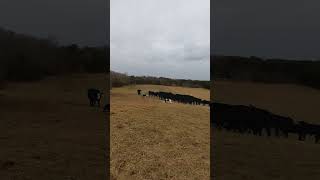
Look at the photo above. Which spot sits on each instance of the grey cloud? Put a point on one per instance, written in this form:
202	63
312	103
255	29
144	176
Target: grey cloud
151	37
285	29
70	21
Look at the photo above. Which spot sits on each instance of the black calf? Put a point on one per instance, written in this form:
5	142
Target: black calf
139	91
94	96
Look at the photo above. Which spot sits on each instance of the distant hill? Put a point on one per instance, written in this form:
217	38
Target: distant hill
121	79
236	68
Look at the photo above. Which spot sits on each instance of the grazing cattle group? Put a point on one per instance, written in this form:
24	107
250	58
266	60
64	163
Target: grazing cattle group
236	118
179	98
252	120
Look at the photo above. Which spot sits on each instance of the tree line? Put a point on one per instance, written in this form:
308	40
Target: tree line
27	58
304	72
122	79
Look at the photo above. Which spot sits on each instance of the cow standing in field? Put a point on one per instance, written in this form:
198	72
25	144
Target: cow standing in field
167	100
205	102
139	91
94	96
152	94
303	129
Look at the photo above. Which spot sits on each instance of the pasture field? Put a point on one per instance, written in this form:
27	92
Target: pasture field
48	131
247	157
151	139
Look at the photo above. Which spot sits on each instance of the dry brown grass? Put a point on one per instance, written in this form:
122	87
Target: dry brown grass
48	131
246	157
298	102
155	140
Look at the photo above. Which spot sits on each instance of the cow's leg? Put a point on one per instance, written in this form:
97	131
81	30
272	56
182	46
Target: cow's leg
277	132
286	134
317	137
254	132
300	136
268	132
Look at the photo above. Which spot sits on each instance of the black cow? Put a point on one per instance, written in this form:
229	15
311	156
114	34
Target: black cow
139	91
151	93
303	129
94	96
205	102
249	119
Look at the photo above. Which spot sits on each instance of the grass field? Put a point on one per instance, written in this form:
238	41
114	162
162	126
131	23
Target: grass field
48	131
151	139
246	157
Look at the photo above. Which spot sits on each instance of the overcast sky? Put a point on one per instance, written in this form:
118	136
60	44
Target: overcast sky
273	28
169	38
82	22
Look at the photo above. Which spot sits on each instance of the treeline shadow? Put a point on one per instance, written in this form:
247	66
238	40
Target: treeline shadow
255	69
27	58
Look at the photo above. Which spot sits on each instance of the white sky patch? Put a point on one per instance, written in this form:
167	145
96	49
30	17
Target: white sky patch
169	38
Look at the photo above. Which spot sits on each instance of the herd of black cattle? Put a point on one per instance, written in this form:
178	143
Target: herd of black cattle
179	98
249	119
236	118
246	119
